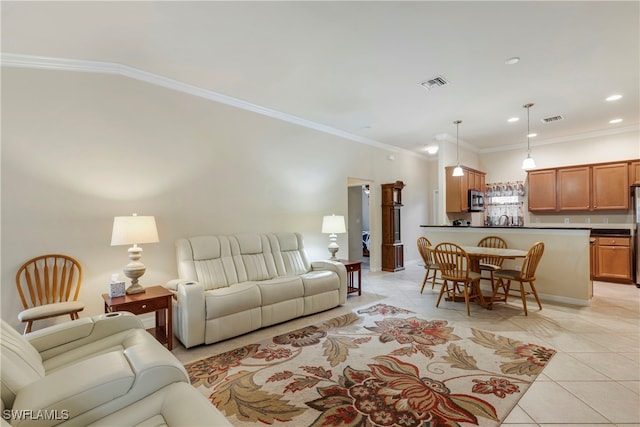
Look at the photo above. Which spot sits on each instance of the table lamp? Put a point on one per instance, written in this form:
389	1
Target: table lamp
332	225
134	230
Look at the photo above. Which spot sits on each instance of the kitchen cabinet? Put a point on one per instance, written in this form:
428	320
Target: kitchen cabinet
542	190
392	247
457	187
596	187
610	186
634	173
613	259
573	189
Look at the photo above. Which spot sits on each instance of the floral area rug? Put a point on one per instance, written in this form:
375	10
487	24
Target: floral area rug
379	366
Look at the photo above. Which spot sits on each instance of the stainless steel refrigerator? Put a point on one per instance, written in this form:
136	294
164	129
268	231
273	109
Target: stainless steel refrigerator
636	204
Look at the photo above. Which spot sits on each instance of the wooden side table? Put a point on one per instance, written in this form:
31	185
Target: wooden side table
352	268
155	299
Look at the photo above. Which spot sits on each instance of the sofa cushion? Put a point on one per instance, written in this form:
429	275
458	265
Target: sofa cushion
320	281
280	289
252	256
288	253
293	262
233	299
208	260
211	274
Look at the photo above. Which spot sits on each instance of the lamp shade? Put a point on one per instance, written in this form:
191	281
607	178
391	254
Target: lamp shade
528	163
333	224
457	171
131	230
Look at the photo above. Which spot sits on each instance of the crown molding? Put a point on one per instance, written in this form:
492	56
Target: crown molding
559	140
102	67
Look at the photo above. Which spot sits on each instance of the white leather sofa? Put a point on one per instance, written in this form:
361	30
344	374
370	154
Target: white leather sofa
230	285
79	372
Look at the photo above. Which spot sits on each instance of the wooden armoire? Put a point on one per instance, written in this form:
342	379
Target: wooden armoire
392	247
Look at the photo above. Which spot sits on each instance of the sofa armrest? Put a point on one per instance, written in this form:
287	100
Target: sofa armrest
82	331
72	391
189	313
179	404
173	284
339	269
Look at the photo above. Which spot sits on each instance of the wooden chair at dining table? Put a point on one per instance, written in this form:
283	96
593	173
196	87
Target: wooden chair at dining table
491	263
459	280
526	274
432	270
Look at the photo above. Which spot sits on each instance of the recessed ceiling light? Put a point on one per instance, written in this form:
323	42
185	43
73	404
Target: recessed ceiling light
532	135
513	119
614	121
431	149
613	97
512	60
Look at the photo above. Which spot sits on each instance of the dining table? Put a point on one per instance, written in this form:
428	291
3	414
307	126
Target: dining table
477	253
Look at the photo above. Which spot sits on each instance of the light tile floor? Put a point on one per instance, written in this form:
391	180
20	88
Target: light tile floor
594	379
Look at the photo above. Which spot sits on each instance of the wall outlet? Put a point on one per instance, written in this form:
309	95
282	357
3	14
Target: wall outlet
566	220
605	220
588	220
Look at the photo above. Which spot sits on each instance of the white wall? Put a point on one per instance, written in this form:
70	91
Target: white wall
79	149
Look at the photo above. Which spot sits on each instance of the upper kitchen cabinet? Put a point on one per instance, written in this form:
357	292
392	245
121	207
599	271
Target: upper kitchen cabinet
610	186
542	190
634	173
573	189
596	187
457	191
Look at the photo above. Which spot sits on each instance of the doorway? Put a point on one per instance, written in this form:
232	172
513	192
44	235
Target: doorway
359	220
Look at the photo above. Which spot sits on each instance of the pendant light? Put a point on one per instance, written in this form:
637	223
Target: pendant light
458	170
528	163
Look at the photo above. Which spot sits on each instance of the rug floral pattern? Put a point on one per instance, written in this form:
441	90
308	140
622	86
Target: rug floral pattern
380	367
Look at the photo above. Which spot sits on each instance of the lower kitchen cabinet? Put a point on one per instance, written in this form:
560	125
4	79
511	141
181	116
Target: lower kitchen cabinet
613	259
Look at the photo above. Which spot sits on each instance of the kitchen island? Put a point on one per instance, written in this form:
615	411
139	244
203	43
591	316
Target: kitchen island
563	272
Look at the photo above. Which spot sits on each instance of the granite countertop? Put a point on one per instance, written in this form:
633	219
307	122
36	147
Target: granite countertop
613	230
509	228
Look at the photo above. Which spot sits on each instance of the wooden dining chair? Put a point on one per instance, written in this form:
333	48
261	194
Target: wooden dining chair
459	280
49	286
491	264
431	267
526	274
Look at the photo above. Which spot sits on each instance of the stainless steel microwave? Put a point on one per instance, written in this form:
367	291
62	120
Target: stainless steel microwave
476	201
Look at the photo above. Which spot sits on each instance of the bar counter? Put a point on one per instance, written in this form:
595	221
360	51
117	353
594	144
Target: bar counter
563	272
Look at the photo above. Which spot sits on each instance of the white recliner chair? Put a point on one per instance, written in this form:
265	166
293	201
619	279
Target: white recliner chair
93	370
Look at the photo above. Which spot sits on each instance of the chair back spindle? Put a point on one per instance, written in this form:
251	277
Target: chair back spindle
493	242
51	281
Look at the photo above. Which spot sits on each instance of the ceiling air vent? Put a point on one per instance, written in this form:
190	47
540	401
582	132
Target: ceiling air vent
552	119
434	82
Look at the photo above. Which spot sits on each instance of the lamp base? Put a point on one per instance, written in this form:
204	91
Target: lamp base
333	247
135	289
134	270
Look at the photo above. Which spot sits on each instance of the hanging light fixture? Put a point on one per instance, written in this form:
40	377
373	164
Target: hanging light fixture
528	163
458	170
